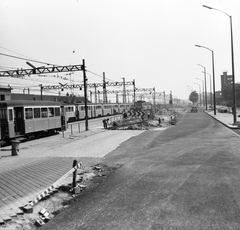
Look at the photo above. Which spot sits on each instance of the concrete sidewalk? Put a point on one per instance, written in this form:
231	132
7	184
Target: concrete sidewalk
226	119
42	162
29	174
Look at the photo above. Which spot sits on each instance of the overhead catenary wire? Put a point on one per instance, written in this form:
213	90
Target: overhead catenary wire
38	80
15	52
27	59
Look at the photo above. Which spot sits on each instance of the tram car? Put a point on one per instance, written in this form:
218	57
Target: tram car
20	118
25	118
76	111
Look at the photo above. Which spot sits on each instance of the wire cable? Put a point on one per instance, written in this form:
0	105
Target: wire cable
14	52
26	59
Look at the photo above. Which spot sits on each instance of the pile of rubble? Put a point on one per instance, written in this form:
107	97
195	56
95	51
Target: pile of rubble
139	124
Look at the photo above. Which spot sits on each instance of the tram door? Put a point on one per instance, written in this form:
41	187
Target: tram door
18	120
63	118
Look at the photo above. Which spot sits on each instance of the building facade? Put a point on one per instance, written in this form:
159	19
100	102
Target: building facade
225	80
5	93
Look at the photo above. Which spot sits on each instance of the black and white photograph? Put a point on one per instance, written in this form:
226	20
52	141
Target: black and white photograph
119	115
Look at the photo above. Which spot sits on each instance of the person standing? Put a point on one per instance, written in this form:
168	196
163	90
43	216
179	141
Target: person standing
104	123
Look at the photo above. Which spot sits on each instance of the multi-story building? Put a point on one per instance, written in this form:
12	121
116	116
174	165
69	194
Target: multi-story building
225	81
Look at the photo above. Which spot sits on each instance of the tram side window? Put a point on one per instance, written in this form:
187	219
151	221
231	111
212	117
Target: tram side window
36	112
44	112
10	114
50	112
28	113
57	112
3	114
69	109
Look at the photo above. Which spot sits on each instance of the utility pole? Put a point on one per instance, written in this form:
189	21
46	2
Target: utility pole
99	100
154	100
104	89
90	95
205	87
134	91
85	94
95	90
41	89
164	97
124	91
170	100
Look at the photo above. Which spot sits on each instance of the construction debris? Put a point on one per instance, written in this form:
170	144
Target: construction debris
168	118
44	217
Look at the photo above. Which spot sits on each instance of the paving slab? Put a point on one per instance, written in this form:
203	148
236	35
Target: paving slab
40	163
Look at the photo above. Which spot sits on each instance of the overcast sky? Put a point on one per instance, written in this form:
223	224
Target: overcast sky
151	41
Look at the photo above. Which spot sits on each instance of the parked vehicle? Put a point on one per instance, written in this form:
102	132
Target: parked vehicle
24	118
76	111
194	109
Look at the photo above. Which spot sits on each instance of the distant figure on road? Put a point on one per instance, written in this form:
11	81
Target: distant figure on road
105	123
77	114
173	120
124	114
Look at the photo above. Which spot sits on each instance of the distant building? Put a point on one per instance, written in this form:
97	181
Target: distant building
5	93
225	81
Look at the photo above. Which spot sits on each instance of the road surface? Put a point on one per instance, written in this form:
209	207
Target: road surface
185	177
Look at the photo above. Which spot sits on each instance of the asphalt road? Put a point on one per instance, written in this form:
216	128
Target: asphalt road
185	177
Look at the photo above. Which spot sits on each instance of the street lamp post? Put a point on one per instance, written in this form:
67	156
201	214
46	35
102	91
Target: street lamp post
214	95
210	88
199	92
202	90
210	84
232	55
205	83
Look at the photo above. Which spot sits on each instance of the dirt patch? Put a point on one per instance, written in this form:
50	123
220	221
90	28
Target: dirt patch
47	209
